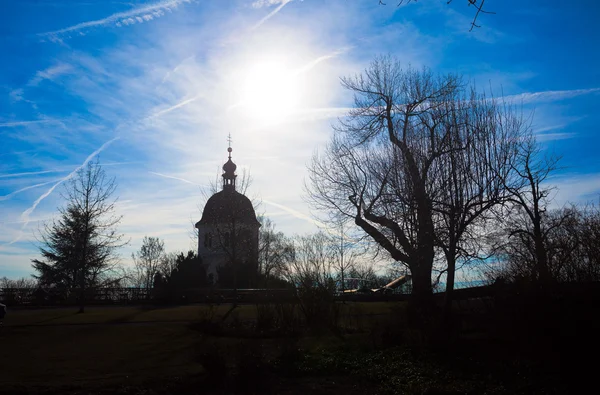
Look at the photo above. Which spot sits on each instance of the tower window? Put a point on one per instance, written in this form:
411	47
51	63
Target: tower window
207	240
226	241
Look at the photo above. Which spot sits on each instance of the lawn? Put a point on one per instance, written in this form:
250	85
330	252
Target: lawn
55	346
163	350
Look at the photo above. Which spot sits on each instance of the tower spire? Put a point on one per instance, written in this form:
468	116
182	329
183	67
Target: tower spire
229	141
229	169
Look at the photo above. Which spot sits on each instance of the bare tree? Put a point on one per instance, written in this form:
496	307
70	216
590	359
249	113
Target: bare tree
313	262
481	140
417	164
274	250
311	272
23	282
529	200
81	245
346	252
148	260
571	236
379	166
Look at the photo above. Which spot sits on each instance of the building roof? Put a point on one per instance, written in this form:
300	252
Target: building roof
227	206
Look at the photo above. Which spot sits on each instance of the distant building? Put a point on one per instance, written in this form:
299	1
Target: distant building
228	233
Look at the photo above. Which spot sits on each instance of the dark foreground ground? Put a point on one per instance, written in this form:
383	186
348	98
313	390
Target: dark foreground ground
203	349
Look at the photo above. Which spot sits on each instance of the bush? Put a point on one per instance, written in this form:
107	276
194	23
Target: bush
213	361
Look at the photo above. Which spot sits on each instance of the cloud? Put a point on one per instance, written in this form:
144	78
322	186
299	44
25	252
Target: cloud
6	197
16	95
133	16
297	214
282	3
174	178
549	96
554	136
50	73
174	107
22	123
320	59
267	3
30	173
576	188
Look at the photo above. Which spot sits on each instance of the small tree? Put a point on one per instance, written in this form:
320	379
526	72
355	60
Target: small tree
274	250
79	248
529	198
148	260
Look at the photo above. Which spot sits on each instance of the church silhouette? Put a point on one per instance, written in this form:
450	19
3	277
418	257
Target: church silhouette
228	234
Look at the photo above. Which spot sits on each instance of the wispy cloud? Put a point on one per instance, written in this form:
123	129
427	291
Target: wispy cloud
29	173
174	107
554	136
26	214
267	3
174	178
22	123
131	17
576	188
548	96
320	59
50	73
296	214
282	3
6	197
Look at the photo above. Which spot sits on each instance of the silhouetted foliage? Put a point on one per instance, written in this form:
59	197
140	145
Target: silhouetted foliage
187	273
79	248
569	244
148	260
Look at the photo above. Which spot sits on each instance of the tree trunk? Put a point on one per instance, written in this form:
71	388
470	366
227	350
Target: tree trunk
450	276
421	281
81	293
541	255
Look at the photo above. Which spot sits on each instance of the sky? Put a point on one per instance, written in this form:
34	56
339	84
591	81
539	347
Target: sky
153	88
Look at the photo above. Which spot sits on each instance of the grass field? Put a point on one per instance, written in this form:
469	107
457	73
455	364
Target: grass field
57	347
160	350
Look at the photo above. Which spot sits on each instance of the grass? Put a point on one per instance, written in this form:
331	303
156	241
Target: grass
54	347
156	350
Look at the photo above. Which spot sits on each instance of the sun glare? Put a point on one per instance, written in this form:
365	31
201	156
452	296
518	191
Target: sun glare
269	91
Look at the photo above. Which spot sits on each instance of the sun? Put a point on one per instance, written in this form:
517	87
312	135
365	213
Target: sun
269	91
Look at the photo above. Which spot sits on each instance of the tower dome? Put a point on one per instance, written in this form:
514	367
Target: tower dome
227	206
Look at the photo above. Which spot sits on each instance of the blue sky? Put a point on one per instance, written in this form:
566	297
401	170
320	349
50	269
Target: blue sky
155	87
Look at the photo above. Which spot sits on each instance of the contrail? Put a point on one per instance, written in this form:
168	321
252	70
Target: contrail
25	215
6	197
174	107
320	59
22	123
531	97
31	173
271	14
134	15
174	178
297	214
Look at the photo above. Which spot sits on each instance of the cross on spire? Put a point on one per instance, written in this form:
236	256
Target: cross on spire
229	141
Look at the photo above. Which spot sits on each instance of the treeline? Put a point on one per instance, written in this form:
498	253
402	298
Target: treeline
569	244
